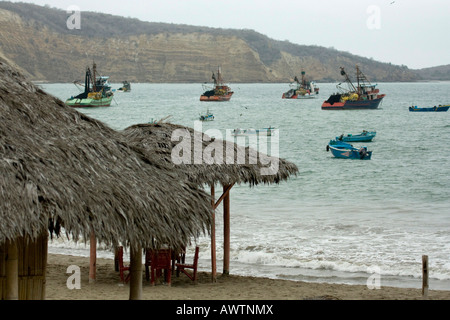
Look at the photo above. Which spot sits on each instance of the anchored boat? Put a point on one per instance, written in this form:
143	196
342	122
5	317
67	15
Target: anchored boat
364	136
302	89
219	92
249	132
97	91
126	86
344	150
439	108
208	116
363	95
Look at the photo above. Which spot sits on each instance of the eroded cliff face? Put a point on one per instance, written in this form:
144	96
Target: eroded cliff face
54	57
48	55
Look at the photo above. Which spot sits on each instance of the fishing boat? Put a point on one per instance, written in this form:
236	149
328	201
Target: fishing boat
344	150
363	95
364	136
208	116
248	132
97	91
302	89
219	92
439	108
101	82
126	86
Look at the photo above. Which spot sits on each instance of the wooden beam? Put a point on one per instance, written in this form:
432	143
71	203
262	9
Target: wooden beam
213	235
425	276
44	261
12	270
136	273
226	229
116	259
93	258
226	190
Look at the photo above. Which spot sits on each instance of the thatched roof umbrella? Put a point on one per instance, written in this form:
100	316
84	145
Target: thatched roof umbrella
156	139
207	160
60	165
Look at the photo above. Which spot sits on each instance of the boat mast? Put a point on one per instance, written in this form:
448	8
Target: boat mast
94	68
219	76
303	78
357	79
214	79
87	81
362	79
347	79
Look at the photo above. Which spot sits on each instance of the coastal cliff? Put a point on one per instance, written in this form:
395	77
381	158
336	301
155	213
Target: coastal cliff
38	40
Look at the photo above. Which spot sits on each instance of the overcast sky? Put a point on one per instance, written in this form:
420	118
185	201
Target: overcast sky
404	32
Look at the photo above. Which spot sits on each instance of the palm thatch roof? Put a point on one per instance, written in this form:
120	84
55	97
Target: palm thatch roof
62	166
210	165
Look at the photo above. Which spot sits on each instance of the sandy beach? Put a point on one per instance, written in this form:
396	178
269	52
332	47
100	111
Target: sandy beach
108	287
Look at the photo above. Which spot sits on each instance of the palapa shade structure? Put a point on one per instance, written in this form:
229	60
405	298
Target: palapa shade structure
60	168
205	160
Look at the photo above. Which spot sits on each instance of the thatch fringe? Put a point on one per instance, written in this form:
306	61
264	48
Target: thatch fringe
246	166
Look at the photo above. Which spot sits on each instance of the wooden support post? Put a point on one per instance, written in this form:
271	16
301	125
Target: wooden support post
12	270
44	262
213	236
226	230
116	259
93	258
425	276
135	273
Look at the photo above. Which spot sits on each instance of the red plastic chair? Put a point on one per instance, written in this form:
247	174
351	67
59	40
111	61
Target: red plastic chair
183	266
122	268
161	260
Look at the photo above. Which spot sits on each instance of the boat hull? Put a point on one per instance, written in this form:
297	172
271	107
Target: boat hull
432	109
299	96
251	132
357	139
225	97
206	118
305	97
350	153
89	103
352	105
367	137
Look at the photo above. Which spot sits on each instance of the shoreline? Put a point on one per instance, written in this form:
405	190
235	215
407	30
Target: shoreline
232	287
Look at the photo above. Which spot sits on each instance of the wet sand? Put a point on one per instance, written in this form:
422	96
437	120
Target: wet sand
108	287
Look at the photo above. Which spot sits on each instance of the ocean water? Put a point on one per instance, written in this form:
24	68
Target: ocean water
337	221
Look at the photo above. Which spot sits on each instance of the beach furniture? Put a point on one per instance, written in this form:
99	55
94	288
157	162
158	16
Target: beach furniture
182	266
160	260
124	270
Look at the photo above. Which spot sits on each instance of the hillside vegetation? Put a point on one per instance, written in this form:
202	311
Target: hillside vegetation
441	73
37	39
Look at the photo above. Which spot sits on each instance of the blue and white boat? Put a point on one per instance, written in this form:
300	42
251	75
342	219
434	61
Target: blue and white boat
365	136
208	116
344	150
439	108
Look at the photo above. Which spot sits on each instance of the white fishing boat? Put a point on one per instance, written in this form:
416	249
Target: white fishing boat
248	132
